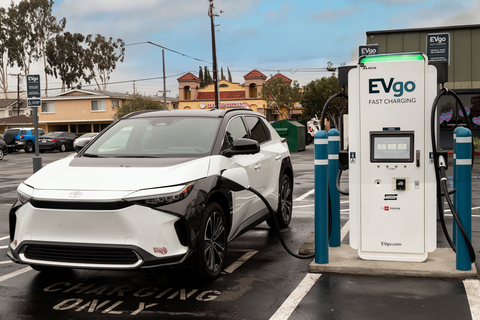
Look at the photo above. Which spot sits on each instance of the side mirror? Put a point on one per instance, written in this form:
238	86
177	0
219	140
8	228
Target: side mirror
243	146
235	179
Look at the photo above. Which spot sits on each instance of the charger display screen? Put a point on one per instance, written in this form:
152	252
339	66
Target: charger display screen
391	147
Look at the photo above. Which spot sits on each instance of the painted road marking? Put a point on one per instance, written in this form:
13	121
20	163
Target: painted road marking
345	230
303	196
472	287
313	204
239	262
5	262
4	238
3	247
287	308
14	274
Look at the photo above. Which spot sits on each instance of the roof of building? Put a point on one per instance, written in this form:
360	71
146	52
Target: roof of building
8	102
189	77
281	76
86	94
431	29
255	74
224	95
17	120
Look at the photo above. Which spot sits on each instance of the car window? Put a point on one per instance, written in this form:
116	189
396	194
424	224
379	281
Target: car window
23	131
236	129
41	132
257	129
157	137
13	131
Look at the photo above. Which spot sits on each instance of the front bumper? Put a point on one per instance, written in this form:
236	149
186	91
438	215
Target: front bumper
125	238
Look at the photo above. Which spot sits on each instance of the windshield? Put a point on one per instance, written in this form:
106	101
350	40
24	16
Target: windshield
157	137
49	135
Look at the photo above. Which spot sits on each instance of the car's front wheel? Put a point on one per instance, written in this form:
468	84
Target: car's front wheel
63	148
212	243
285	203
1	154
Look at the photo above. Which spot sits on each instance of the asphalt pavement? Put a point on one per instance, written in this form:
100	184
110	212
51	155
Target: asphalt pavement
261	281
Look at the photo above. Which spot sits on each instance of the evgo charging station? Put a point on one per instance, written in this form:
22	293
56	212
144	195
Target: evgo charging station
392	176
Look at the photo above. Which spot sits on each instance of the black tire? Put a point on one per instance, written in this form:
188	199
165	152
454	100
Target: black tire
63	148
211	243
1	154
285	203
29	147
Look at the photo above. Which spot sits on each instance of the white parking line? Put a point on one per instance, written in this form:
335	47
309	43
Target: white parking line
3	247
287	308
303	196
239	262
4	238
14	274
472	288
5	262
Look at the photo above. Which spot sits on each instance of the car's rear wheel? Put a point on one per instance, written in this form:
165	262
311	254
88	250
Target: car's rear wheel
285	203
212	243
63	148
29	147
1	154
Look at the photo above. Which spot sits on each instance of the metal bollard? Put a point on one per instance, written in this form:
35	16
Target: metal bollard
321	198
455	174
464	195
333	150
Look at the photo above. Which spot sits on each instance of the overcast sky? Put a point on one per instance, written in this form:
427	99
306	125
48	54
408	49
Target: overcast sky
295	37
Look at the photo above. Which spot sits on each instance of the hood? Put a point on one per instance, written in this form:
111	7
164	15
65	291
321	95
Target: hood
90	174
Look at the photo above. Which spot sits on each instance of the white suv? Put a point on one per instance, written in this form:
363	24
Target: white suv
147	192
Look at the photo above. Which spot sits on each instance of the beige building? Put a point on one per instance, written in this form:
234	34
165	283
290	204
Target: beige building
79	110
232	95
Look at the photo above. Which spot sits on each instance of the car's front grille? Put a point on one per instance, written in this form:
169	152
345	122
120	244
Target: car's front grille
79	205
79	254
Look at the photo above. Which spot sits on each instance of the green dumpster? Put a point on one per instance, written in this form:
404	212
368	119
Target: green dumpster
293	131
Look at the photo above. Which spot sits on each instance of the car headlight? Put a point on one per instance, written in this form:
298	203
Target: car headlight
25	193
160	196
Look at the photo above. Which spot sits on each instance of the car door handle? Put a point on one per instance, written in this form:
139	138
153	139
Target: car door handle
258	166
278	157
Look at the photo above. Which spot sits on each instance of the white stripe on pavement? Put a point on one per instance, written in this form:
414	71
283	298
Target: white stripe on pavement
287	308
472	287
14	274
5	262
4	238
303	196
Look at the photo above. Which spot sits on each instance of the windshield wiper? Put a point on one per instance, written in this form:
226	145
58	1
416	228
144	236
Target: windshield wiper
91	155
135	156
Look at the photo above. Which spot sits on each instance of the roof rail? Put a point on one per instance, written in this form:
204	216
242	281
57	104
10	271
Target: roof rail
135	113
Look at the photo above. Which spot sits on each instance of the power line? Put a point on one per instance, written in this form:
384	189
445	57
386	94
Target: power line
171	50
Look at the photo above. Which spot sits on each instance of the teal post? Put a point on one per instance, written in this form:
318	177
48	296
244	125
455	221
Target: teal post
321	197
333	150
464	195
454	233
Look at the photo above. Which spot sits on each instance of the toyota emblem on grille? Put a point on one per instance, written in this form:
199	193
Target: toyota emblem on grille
75	194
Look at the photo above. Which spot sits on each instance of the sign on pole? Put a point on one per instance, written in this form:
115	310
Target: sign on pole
33	86
368	50
438	47
34	103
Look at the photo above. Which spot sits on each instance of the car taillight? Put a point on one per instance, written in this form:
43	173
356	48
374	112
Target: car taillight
53	140
21	137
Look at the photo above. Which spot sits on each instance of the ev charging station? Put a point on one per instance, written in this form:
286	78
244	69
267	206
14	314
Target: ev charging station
392	176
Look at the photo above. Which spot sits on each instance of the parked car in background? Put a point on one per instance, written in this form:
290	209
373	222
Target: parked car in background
146	193
61	141
82	141
21	138
3	149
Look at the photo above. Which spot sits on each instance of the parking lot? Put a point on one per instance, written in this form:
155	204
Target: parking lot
261	281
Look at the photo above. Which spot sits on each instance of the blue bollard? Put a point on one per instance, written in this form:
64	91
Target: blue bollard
321	198
333	150
464	195
454	233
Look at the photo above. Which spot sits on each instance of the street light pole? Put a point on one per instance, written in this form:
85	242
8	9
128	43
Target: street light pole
214	55
164	82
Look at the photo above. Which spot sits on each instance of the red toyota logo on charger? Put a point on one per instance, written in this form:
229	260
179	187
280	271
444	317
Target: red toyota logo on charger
386	208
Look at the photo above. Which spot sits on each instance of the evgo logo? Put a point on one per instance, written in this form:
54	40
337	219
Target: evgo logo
398	87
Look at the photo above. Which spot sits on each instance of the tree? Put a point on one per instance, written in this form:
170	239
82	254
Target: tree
229	75
137	103
101	57
316	94
46	27
200	75
281	95
65	57
5	43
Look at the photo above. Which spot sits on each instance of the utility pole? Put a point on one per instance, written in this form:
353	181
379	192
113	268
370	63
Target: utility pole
18	75
214	54
134	87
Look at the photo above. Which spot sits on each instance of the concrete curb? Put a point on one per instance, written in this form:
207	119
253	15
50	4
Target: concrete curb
344	260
